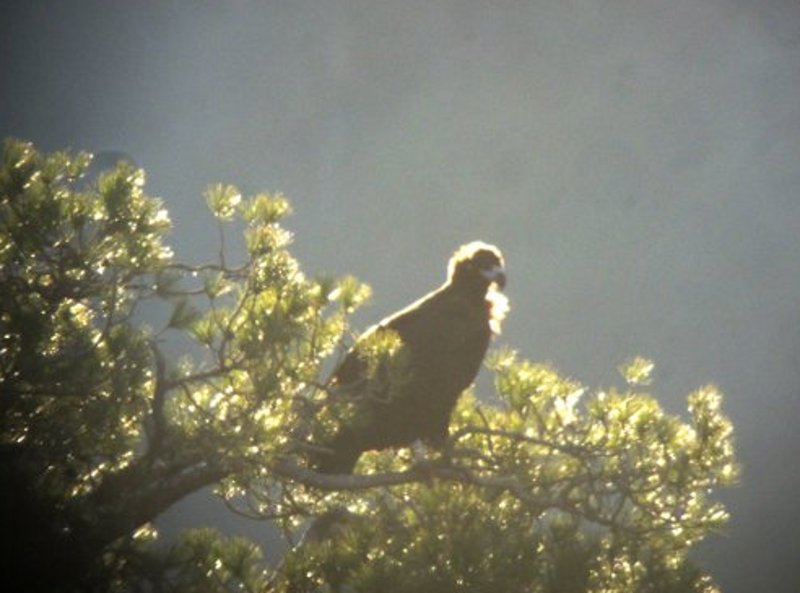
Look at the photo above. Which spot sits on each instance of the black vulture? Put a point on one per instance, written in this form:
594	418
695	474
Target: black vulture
440	340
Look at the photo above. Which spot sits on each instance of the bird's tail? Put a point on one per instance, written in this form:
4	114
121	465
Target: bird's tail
340	458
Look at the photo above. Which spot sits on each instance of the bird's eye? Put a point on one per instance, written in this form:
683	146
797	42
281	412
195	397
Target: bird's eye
495	273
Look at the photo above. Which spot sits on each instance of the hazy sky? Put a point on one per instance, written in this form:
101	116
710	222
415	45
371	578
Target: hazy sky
637	160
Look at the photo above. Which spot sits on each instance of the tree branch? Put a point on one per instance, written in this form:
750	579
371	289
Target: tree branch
143	504
353	482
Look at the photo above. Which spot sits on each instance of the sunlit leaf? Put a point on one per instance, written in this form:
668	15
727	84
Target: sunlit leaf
223	200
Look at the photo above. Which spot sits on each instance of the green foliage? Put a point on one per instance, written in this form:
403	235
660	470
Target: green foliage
223	200
203	561
95	418
74	373
103	427
557	490
450	539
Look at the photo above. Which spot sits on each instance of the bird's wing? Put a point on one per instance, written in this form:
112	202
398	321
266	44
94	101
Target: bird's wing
441	329
412	324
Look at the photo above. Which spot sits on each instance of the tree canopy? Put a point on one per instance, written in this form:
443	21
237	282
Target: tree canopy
131	378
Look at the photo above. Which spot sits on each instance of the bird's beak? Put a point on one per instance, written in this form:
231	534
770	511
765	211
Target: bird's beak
497	275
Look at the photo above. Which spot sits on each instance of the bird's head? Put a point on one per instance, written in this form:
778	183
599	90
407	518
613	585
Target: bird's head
479	269
478	265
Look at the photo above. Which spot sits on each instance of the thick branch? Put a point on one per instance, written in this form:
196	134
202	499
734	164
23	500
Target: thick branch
146	501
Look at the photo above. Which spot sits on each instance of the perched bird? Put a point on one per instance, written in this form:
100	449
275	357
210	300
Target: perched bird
433	349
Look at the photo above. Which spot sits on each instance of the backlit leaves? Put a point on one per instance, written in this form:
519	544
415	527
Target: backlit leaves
223	200
637	371
115	422
558	487
584	491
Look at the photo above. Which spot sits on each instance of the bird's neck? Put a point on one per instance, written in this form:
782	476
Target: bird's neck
471	290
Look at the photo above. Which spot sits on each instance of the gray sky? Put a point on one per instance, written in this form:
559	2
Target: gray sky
637	160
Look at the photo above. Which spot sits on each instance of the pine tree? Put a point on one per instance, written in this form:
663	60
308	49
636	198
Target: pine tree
553	487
